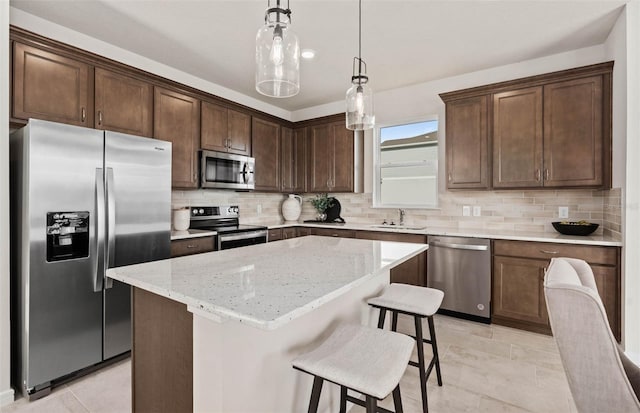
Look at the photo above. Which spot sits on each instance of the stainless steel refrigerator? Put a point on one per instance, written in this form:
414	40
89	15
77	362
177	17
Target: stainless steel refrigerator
82	200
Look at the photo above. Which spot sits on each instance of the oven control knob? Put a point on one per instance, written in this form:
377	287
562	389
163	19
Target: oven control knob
201	211
194	211
235	209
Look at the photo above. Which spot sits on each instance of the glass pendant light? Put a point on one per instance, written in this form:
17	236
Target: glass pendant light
277	54
360	96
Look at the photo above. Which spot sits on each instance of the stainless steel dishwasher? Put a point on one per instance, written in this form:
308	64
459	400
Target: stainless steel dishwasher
461	267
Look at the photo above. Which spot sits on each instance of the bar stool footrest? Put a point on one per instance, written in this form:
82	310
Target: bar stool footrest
361	402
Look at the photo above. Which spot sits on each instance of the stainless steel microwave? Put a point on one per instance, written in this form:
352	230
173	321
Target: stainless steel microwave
226	171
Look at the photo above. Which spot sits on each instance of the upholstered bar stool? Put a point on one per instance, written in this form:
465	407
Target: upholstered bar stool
420	303
367	360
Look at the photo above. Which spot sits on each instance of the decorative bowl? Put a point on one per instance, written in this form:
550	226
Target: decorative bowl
575	227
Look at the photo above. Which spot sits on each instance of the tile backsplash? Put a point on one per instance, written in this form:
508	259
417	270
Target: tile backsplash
526	211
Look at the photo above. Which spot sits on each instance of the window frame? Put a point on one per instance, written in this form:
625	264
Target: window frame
377	169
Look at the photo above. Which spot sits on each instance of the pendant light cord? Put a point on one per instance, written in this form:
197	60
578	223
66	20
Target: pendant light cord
359	37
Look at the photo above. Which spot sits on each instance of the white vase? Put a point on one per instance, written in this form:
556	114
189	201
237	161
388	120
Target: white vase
181	219
292	207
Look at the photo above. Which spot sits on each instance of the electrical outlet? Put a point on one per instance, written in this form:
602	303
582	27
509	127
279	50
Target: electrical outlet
563	212
466	211
259	209
476	210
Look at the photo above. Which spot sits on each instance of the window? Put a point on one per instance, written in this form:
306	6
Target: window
406	165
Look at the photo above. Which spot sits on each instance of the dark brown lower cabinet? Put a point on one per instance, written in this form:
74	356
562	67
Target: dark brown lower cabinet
518	276
275	234
412	271
162	354
290	232
189	246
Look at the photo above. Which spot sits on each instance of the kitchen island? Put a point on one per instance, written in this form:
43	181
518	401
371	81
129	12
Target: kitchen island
223	327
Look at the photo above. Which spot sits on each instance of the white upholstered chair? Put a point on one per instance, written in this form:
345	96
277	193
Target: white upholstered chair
601	377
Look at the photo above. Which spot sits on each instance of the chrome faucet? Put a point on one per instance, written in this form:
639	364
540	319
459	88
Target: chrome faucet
401	216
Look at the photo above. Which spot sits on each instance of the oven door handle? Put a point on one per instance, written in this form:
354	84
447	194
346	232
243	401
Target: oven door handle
242	235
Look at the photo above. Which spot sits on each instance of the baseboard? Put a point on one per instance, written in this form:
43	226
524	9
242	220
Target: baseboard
6	397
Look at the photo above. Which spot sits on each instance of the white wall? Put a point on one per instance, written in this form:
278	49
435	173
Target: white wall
6	393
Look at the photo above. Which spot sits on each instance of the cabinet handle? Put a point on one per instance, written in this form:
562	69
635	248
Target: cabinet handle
549	252
99	117
83	114
538	175
546	174
449	176
190	246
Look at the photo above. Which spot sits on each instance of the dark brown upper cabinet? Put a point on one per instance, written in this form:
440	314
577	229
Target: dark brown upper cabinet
330	161
225	130
123	103
177	120
574	143
517	138
467	144
51	87
293	160
545	131
265	142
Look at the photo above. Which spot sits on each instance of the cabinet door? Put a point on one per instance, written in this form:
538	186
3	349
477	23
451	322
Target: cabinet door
518	292
214	134
413	271
320	162
609	291
177	120
51	87
467	143
293	160
123	104
573	133
239	133
342	174
266	150
517	138
274	234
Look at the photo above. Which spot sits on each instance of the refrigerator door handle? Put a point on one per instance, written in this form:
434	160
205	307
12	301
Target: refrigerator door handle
111	222
99	222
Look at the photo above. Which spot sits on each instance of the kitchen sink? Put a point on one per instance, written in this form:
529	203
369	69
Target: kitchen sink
398	227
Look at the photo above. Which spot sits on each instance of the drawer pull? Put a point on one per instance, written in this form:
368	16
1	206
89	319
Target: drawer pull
190	246
548	252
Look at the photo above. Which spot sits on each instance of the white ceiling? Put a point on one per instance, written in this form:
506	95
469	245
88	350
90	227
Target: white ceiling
404	42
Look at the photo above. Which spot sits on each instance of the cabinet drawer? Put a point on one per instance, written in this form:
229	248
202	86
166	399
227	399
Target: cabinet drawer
328	232
548	250
290	232
275	234
190	246
392	236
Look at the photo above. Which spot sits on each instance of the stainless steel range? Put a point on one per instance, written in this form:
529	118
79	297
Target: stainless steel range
225	220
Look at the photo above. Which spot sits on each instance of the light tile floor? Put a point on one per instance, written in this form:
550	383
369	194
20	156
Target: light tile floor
485	368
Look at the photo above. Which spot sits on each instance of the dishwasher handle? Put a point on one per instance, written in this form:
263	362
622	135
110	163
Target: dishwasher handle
459	246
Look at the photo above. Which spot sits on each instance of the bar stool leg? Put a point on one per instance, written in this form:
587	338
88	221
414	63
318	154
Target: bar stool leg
343	399
397	400
315	394
394	321
434	347
383	312
371	404
421	367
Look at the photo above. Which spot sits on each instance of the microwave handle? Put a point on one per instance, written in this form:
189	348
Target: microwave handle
245	172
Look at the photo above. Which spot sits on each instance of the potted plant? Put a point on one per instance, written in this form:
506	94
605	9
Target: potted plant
321	202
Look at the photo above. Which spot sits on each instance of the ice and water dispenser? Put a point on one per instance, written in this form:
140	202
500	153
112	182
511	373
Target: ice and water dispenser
67	235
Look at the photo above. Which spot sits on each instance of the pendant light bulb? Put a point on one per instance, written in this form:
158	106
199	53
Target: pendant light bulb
359	101
277	54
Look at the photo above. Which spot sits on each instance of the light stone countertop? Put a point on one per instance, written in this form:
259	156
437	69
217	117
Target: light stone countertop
191	233
267	285
597	240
